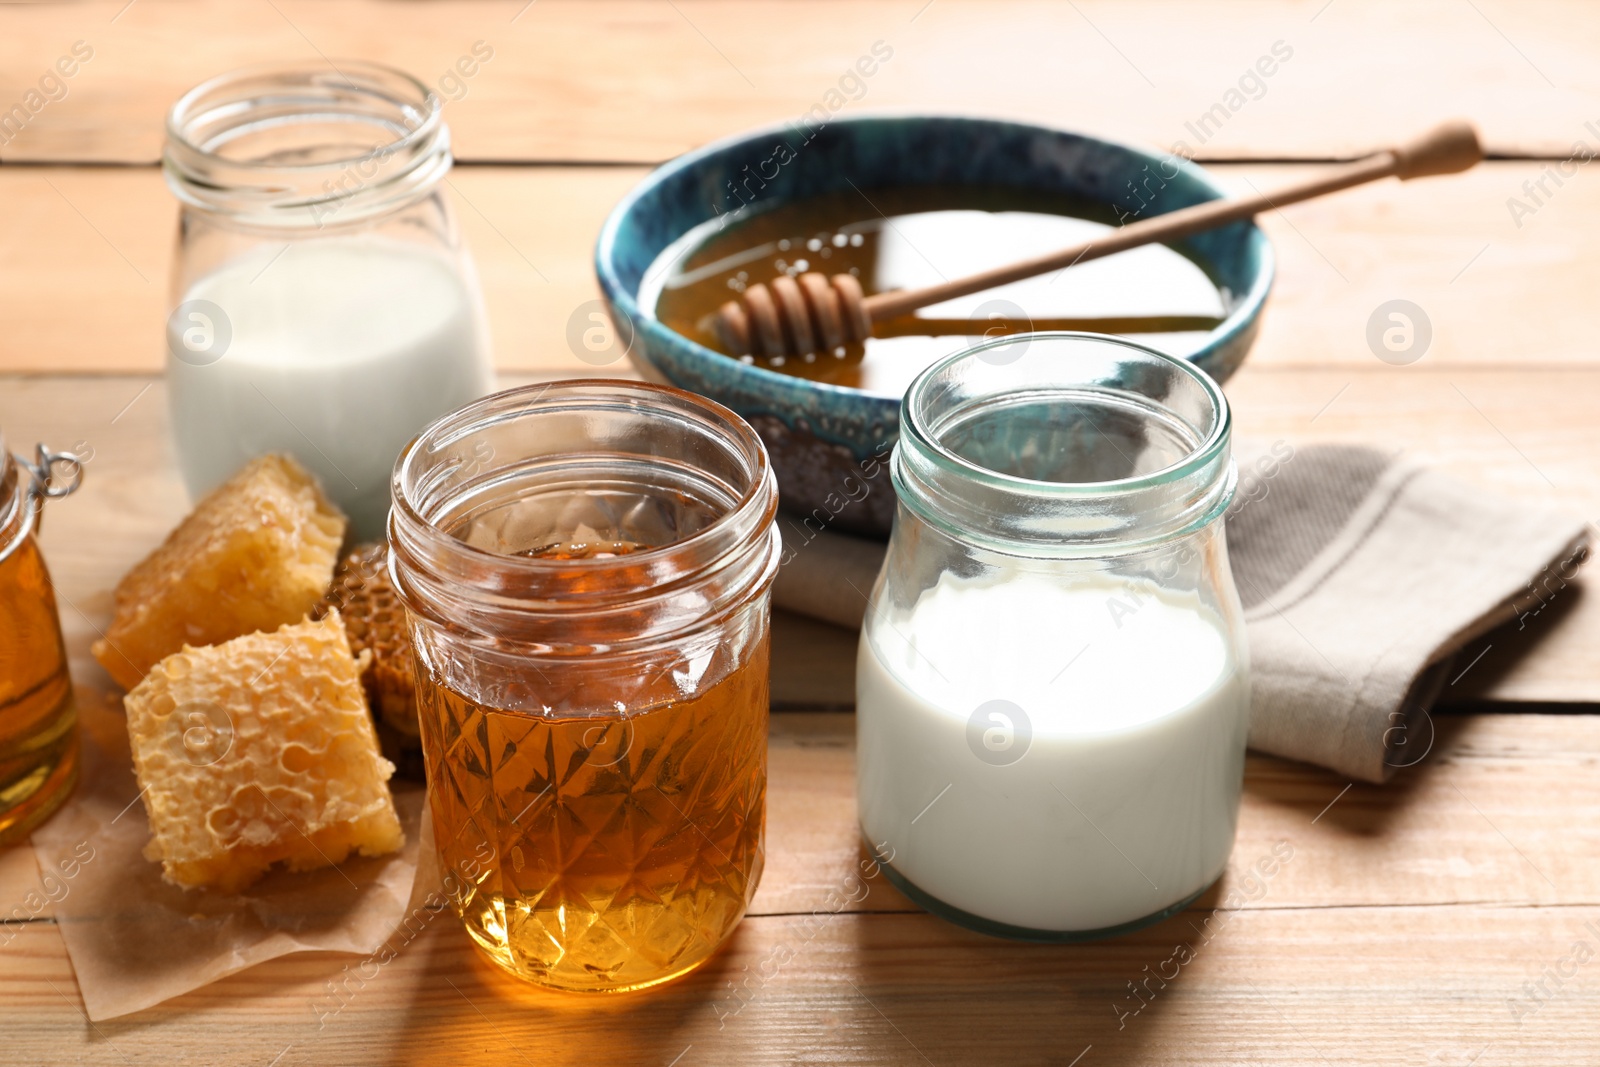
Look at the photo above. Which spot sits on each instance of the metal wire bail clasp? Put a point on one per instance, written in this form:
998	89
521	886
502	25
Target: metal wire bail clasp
50	476
43	469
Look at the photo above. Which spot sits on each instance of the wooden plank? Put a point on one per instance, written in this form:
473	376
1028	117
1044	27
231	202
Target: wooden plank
121	424
87	252
1370	986
1423	960
87	255
1322	951
1505	430
813	664
643	81
1372	901
1500	812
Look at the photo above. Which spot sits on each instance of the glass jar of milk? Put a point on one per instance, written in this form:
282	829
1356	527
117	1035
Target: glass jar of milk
1052	690
323	302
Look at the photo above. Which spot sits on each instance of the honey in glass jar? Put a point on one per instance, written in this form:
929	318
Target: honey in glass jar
38	720
586	567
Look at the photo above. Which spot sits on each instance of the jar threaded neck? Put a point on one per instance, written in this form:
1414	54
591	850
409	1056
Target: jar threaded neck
1063	445
485	498
288	146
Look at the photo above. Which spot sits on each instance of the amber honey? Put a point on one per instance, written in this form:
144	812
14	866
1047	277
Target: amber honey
569	550
38	736
906	238
607	850
589	611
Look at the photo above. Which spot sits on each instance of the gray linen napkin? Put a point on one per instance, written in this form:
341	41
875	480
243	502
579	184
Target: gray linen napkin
1361	574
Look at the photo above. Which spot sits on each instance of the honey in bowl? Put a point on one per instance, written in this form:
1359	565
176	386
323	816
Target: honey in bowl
906	238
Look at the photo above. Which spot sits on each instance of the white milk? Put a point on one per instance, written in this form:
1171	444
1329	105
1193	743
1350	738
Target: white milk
342	349
1124	800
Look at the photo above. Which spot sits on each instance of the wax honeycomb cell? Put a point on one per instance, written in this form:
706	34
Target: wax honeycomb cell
256	553
375	621
259	751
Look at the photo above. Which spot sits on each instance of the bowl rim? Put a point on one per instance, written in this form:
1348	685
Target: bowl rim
621	300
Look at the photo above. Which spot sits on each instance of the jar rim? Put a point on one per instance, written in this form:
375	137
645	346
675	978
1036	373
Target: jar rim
182	111
529	582
279	190
1198	457
1013	512
16	514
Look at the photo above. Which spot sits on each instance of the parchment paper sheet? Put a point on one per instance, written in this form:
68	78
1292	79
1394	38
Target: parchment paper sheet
135	940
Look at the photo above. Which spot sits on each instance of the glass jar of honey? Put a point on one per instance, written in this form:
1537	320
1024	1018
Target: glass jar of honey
587	567
38	720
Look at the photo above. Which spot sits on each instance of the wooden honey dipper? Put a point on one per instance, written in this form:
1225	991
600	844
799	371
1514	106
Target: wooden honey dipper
794	316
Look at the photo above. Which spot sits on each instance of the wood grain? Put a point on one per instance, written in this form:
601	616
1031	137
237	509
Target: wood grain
86	254
625	80
1495	833
1362	986
1414	921
1362	925
1368	986
1471	824
85	261
1529	434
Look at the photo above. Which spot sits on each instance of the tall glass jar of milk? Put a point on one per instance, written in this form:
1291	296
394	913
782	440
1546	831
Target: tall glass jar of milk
1052	691
323	302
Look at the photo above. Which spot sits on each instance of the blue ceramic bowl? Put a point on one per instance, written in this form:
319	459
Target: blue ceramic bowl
828	442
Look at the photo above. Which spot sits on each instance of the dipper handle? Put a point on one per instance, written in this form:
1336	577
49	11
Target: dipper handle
793	323
1446	149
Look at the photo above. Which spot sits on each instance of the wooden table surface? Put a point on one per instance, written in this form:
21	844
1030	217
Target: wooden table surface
1435	921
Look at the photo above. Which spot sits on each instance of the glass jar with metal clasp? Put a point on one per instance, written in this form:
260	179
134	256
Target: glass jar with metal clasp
38	720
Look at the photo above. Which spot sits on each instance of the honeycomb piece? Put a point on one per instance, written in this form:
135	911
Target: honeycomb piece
375	620
255	554
260	751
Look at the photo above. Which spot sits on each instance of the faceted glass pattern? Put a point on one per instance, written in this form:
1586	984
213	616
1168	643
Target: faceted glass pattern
602	852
